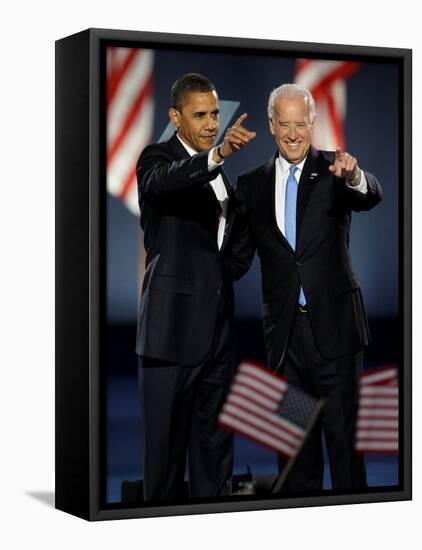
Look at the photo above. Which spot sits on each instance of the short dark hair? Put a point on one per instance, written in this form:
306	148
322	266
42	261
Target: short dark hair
186	84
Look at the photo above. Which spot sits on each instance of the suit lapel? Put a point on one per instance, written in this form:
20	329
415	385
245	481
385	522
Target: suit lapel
310	175
177	148
270	176
230	191
233	204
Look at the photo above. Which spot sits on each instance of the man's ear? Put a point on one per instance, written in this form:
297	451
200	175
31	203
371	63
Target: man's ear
271	125
174	116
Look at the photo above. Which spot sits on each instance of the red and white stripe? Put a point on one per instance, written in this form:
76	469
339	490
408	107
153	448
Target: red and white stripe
130	117
251	409
377	429
326	80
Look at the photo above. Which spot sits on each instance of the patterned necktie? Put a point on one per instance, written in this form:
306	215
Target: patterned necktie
290	216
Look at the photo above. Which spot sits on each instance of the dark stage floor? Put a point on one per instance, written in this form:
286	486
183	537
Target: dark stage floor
124	453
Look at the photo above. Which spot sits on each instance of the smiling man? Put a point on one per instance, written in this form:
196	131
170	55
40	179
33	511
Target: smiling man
184	336
298	208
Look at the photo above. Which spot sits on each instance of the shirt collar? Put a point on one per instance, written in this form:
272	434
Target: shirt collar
188	149
285	164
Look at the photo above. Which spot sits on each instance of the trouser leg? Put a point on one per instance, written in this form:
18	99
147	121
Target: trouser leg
180	409
307	471
211	447
335	381
167	395
339	415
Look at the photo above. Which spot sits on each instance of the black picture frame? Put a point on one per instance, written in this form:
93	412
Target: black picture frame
81	269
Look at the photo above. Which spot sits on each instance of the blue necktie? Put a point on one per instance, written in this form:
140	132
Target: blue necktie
290	216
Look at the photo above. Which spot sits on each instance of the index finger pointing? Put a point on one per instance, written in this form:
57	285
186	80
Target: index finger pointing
240	119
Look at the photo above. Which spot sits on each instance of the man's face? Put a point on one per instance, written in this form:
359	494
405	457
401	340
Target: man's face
198	121
291	128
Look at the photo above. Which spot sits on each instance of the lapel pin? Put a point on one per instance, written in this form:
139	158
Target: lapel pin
314	174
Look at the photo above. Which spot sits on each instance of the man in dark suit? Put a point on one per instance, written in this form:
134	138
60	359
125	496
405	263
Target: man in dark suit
184	337
298	208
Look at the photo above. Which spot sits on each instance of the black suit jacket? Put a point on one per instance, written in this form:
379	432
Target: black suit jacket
321	262
186	274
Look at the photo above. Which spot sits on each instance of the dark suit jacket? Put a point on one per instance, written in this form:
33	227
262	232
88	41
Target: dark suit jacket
186	274
321	262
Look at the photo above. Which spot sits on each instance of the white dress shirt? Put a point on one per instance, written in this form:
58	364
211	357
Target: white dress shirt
282	167
219	189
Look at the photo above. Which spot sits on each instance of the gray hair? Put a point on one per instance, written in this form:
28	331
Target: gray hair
292	90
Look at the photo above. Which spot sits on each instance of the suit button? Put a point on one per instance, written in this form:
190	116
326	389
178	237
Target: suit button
298	264
219	292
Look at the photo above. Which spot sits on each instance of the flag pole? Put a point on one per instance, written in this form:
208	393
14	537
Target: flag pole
281	478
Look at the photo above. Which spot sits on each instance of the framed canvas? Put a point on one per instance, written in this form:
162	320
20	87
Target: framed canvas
112	101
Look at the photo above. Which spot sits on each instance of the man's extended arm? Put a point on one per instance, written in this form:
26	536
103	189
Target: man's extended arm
159	174
345	166
365	201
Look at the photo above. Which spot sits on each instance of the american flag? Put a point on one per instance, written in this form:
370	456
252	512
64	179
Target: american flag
377	428
326	80
263	407
130	112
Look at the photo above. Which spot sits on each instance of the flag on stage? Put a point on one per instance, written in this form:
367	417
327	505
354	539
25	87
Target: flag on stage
130	117
263	407
326	80
377	429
